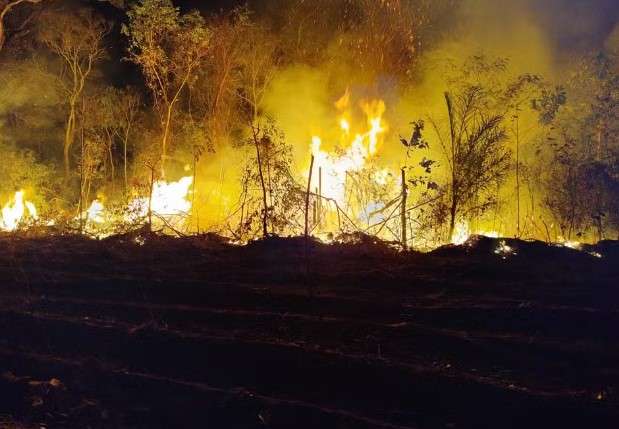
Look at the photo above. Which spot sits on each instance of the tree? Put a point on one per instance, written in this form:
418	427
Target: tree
416	149
77	38
6	6
474	148
125	104
169	48
270	171
371	37
582	149
216	91
260	59
258	64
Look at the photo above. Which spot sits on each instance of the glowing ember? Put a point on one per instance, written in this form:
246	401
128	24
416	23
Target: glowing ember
16	211
504	250
573	245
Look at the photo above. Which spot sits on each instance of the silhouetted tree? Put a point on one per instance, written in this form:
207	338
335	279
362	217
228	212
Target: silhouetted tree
168	47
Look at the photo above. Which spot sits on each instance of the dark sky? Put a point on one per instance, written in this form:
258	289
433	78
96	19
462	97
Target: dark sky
570	24
577	23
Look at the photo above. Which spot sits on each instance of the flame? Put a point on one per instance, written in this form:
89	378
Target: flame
15	211
168	199
169	204
573	245
504	250
345	125
95	212
462	232
354	154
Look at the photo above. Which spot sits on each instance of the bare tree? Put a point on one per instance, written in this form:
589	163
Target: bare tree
169	48
216	91
126	114
78	39
259	62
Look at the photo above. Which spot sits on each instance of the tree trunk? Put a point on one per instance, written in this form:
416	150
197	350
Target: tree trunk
68	139
150	198
2	35
319	196
81	202
452	138
112	167
125	142
452	217
403	211
517	178
265	231
166	136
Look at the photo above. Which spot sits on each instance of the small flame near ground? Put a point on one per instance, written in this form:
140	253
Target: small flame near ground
16	212
462	232
169	203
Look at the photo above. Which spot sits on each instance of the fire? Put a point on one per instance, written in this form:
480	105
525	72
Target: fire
353	154
572	244
95	212
345	125
16	211
168	199
462	232
169	204
504	250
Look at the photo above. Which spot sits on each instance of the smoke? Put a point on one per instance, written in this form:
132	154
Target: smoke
538	37
541	38
302	97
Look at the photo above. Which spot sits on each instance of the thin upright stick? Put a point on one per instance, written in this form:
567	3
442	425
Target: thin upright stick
403	211
307	195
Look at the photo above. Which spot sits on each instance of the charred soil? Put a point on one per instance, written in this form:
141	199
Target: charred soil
147	331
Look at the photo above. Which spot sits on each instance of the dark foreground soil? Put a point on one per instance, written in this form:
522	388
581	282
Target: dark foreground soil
155	332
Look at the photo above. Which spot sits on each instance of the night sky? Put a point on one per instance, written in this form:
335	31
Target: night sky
569	23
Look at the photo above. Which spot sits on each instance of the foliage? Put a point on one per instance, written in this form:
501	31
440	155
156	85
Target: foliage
77	39
583	150
268	174
21	170
208	83
168	47
215	94
474	148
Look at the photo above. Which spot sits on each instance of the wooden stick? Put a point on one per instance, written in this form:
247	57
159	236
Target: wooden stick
307	195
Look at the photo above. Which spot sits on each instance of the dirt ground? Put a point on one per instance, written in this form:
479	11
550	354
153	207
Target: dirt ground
141	331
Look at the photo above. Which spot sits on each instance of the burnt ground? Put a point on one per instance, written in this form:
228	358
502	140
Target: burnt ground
156	332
